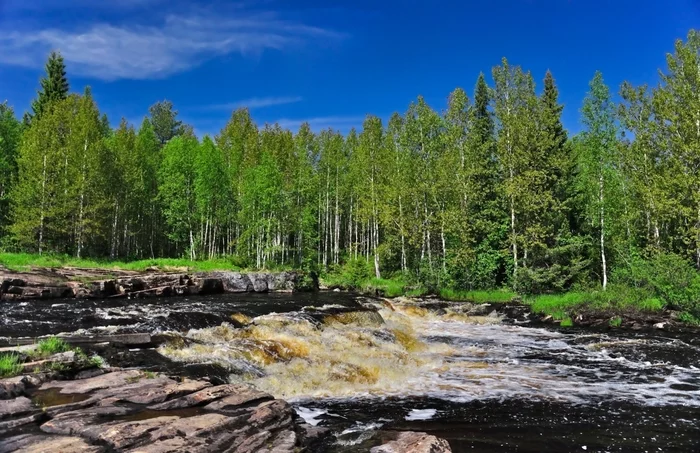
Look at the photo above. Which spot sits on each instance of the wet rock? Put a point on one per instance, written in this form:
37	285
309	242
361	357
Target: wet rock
412	442
32	443
313	437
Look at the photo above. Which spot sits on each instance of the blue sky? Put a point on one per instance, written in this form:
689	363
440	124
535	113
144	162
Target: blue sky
327	62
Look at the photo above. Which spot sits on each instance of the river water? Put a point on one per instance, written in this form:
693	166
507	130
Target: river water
479	377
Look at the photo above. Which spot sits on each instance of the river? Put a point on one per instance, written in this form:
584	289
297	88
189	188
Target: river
484	378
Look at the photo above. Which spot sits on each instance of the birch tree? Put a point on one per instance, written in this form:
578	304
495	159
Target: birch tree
598	161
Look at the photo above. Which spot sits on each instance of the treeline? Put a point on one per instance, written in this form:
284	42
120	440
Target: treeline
490	192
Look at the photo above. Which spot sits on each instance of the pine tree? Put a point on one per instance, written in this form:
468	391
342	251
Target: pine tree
165	122
54	86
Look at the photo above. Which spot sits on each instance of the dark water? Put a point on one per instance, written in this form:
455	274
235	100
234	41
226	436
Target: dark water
488	387
151	315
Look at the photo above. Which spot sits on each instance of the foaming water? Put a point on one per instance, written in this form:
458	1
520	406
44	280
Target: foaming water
408	351
366	367
329	351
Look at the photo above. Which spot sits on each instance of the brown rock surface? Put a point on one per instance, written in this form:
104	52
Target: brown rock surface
412	442
135	412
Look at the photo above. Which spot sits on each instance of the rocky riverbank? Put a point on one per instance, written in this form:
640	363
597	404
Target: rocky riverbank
129	410
41	283
135	411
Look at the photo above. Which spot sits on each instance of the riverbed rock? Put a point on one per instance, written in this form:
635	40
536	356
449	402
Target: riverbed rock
413	442
33	443
131	411
16	407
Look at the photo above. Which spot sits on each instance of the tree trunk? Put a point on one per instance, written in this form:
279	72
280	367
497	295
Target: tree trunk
602	235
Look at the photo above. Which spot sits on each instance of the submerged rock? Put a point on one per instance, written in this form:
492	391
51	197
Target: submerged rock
412	442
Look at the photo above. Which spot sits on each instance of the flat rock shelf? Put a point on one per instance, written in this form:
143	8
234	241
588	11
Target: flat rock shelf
129	410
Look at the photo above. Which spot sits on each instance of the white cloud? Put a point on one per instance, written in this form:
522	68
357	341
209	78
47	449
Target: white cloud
256	103
111	52
340	123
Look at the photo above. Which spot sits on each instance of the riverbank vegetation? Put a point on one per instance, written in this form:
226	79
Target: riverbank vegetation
19	262
490	193
39	358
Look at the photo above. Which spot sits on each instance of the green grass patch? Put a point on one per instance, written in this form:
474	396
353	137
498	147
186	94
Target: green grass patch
51	345
567	322
10	365
558	306
25	261
478	297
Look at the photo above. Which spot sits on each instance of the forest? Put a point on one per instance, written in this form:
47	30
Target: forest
490	193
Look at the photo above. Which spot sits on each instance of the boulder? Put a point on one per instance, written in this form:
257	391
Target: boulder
210	286
412	442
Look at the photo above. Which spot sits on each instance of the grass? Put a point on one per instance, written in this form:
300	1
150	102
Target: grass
616	300
50	346
10	365
388	287
558	306
25	261
566	322
478	297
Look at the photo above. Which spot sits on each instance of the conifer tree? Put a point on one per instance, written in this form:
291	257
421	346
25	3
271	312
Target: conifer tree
54	86
165	123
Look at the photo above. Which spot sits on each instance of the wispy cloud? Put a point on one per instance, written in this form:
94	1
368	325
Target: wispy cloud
340	123
178	43
255	103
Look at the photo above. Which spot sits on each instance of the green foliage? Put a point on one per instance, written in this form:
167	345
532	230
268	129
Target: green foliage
478	297
488	193
10	364
24	261
615	321
51	345
665	276
54	87
566	322
689	319
558	305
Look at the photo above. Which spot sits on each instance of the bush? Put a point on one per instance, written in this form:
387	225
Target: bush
665	276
